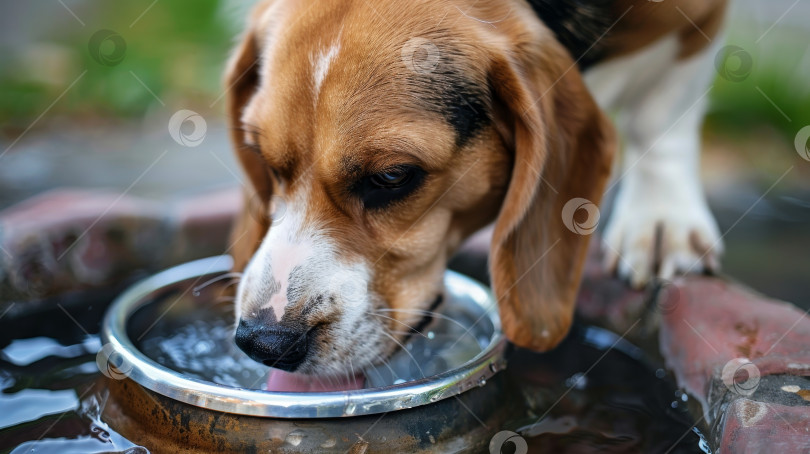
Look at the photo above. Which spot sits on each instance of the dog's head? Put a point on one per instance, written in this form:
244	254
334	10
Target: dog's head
376	136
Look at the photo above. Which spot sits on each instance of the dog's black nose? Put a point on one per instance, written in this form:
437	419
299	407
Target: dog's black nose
274	346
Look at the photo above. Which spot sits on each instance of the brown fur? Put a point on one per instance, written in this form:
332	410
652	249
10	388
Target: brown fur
645	22
548	142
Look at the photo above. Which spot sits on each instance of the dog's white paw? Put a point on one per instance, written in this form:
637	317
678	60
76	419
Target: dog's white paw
661	231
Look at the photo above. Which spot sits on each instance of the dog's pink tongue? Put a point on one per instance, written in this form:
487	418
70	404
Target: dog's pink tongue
280	380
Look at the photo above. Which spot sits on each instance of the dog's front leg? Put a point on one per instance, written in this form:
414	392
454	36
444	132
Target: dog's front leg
661	224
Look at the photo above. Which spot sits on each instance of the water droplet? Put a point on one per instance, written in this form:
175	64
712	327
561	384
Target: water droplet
660	373
684	397
674	404
329	443
431	335
482	381
579	381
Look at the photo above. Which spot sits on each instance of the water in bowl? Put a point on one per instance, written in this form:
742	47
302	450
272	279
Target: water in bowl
195	337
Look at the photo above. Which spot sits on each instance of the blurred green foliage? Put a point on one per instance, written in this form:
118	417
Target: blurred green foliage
176	48
774	92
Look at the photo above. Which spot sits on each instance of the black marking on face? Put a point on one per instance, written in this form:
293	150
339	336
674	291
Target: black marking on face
314	303
580	26
266	316
294	312
466	110
450	89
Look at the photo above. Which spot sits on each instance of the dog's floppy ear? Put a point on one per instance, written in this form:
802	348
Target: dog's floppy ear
241	83
563	149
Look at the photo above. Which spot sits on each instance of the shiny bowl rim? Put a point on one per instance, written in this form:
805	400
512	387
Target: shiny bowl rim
135	365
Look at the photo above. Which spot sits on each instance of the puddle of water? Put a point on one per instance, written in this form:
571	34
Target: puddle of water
580	398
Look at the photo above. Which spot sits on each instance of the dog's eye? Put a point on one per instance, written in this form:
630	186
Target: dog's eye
391	178
393	184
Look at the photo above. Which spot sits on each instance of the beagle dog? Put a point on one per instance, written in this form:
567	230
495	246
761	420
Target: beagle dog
377	135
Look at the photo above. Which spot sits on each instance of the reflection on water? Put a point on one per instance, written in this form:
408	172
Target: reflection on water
196	338
203	348
594	394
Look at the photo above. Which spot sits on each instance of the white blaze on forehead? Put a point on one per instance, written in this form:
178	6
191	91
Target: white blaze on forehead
321	65
288	244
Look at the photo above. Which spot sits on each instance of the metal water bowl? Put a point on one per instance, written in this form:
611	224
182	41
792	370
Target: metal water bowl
170	296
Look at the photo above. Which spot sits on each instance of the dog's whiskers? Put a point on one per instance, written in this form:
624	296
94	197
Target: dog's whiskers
384	361
196	290
432	314
412	329
225	299
406	351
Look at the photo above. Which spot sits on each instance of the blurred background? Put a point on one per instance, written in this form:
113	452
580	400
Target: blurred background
87	89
